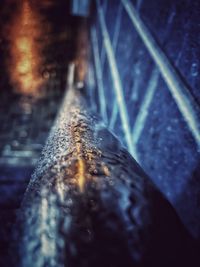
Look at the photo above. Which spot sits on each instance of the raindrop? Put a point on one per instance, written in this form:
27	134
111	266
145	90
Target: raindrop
169	129
15	143
194	69
23	134
46	75
69	202
87	235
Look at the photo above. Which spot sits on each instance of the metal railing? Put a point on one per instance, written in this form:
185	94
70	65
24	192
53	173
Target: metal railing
163	67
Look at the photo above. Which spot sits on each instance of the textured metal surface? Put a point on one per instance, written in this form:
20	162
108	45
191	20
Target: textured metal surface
90	204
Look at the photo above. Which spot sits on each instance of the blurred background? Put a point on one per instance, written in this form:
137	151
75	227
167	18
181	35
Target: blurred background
140	63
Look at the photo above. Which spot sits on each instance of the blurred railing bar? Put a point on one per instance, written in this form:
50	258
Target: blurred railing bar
148	97
91	85
116	80
144	107
116	32
103	53
99	76
183	98
114	44
117	27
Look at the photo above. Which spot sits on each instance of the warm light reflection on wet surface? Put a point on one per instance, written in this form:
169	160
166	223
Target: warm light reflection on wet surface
89	163
24	52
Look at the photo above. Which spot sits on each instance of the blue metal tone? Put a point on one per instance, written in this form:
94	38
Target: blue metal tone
103	52
80	7
99	74
150	56
184	100
91	85
115	41
144	107
116	81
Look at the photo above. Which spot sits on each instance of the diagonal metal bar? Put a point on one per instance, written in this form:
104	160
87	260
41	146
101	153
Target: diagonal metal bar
114	43
117	27
103	53
180	93
144	108
90	80
116	80
99	74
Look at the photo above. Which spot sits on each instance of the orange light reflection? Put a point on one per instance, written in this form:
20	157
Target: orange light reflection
25	58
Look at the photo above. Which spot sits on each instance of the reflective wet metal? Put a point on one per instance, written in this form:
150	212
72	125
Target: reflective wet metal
90	204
